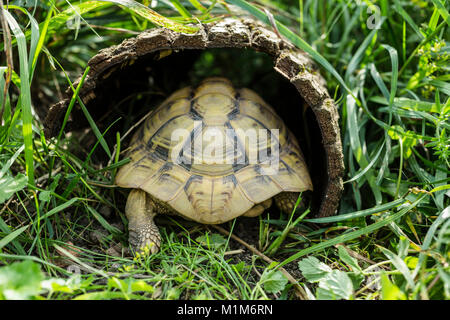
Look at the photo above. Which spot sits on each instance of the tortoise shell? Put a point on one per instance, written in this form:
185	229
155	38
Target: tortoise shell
181	153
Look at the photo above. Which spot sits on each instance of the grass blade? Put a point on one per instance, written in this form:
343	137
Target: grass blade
352	235
10	237
57	209
6	230
299	42
442	10
197	5
372	162
445	215
94	127
398	7
102	221
11	161
399	265
71	103
153	16
357	148
358	214
32	258
41	40
78	261
359	54
181	9
25	96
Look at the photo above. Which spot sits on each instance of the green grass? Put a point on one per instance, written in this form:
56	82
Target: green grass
62	219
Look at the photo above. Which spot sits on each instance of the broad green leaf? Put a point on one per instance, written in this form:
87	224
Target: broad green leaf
107	295
348	259
273	281
20	281
10	185
173	293
411	262
213	240
141	286
45	196
336	285
69	285
130	285
390	291
312	269
356	272
56	285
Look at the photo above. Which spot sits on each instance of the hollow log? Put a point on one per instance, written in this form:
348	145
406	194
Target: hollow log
290	62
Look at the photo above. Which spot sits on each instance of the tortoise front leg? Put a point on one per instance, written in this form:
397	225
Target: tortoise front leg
142	230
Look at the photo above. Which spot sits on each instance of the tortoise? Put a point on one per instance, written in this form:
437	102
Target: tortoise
187	176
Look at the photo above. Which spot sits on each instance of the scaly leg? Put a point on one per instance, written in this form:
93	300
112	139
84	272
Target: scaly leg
286	201
142	230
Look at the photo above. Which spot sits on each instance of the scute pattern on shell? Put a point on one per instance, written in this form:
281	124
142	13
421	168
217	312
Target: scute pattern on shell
201	191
